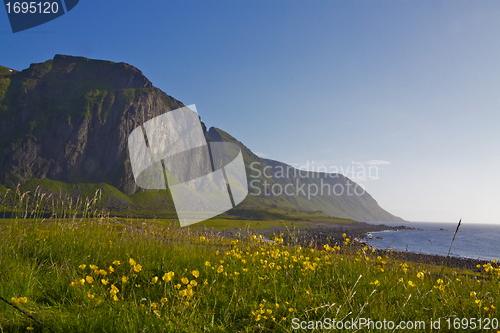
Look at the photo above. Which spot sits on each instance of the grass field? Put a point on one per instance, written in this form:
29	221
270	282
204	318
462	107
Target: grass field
221	224
88	273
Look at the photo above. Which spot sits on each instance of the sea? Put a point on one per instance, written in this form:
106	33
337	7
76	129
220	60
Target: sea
475	241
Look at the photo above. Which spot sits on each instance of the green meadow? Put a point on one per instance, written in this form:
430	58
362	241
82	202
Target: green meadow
80	270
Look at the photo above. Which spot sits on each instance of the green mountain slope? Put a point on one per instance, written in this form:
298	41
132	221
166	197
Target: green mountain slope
64	127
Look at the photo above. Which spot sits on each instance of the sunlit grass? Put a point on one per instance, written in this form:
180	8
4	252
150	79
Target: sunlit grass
221	224
94	274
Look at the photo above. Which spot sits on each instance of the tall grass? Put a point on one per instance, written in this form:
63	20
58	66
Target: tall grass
40	204
85	272
451	245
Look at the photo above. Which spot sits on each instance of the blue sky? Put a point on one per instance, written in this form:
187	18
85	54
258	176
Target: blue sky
411	87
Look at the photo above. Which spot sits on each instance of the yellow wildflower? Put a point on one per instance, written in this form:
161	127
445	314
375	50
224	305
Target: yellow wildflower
137	268
184	280
154	280
89	295
114	290
124	279
19	300
132	262
411	284
116	262
195	273
168	276
89	279
82	266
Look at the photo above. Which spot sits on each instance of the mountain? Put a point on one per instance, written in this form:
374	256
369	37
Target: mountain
65	124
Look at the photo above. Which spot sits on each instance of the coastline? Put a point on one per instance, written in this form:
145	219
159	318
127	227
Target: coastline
331	233
434	259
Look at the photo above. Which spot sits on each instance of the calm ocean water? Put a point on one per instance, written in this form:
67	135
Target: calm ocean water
477	241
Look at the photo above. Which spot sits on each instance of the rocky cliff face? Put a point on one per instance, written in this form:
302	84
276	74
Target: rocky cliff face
69	118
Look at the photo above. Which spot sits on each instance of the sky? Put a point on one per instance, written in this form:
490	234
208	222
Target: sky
409	90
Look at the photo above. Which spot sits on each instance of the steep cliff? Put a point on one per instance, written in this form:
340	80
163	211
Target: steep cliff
68	119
